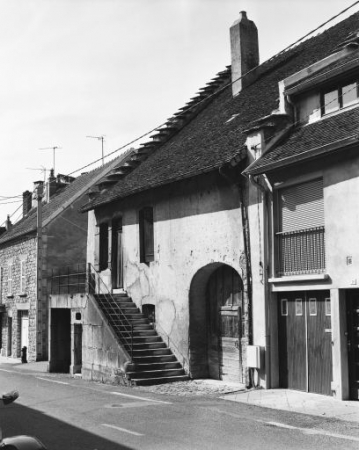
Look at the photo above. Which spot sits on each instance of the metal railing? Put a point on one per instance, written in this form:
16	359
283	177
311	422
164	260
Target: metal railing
301	251
84	278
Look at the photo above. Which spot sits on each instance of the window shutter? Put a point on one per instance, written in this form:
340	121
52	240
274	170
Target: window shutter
302	206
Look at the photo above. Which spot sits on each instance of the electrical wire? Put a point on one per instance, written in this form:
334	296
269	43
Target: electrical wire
214	93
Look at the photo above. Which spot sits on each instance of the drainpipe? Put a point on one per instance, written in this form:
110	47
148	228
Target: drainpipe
38	196
267	191
246	241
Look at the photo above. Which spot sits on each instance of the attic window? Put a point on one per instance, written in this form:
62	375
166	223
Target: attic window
340	96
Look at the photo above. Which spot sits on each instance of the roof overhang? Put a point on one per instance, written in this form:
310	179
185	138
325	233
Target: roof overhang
307	155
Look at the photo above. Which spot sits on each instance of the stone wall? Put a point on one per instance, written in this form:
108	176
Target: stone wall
14	252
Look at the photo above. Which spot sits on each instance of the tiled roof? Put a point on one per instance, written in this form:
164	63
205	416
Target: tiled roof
211	139
58	202
310	141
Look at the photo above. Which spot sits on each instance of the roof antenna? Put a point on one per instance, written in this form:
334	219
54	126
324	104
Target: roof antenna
53	154
42	169
102	139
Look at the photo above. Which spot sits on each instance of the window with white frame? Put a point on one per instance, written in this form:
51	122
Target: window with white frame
340	96
22	276
10	279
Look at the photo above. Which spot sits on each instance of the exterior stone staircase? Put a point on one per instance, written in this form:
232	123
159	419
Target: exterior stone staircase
152	360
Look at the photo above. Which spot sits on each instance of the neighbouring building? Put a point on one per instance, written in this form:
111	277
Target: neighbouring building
50	239
310	183
246	278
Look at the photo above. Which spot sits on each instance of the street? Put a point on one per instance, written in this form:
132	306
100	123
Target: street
68	413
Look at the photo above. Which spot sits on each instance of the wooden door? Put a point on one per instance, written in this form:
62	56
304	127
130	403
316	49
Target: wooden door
319	343
292	342
305	349
224	295
352	309
9	336
116	255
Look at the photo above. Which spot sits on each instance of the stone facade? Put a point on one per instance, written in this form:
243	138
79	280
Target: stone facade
23	295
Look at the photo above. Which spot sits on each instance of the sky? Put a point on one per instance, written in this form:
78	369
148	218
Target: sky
115	68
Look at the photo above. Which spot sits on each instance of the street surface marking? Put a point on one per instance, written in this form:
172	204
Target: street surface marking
130	405
311	431
10	371
51	381
121	429
140	398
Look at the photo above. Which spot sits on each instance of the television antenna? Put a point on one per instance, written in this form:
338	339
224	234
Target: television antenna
53	154
42	169
100	138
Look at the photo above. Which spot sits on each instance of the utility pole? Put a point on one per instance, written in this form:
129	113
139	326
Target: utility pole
39	193
100	138
53	154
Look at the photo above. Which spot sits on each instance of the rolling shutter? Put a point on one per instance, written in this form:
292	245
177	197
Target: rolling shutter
302	206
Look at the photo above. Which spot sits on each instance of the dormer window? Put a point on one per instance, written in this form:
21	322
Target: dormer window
340	96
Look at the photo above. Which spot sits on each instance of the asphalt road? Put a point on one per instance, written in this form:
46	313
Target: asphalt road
72	414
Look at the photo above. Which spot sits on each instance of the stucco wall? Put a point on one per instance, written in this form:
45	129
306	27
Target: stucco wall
102	357
341	212
196	223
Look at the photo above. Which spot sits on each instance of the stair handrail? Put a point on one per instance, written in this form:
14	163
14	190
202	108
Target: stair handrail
118	310
170	343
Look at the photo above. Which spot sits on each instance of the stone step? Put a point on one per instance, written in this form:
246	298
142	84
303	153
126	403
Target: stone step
155	373
146	339
141	352
154	359
148	345
161	380
146	367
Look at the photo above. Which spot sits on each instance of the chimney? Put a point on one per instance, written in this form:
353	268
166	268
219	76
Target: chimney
26	202
51	186
2	230
38	190
8	224
244	51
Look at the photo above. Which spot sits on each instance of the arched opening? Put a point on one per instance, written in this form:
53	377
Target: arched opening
216	308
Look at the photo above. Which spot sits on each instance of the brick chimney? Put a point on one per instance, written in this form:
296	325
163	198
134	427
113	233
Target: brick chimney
244	51
26	202
51	186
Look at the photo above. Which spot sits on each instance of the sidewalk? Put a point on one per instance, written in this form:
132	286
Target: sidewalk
300	402
39	366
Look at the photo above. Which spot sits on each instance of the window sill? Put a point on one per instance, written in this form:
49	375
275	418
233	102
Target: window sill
23	294
10	296
296	278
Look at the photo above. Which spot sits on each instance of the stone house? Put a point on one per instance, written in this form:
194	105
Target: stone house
52	235
193	232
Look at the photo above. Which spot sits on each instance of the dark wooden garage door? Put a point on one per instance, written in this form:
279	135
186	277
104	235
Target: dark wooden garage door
305	350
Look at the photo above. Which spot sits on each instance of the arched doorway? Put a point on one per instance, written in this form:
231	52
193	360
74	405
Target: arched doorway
216	307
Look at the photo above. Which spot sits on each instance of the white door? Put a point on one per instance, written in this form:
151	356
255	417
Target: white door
24	329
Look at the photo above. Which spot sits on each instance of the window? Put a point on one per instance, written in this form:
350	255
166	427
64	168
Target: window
340	96
300	235
103	260
146	235
328	309
9	280
298	307
312	306
284	307
22	277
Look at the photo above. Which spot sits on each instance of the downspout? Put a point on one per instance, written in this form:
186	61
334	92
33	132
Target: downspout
38	196
246	241
267	192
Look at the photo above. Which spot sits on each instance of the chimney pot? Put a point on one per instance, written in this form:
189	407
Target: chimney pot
244	51
26	202
8	224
